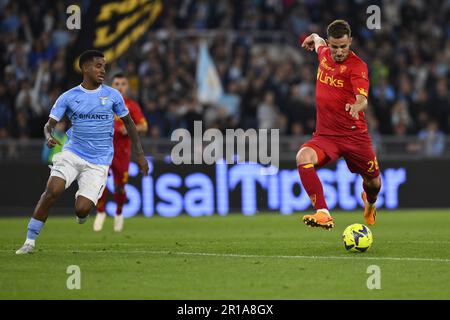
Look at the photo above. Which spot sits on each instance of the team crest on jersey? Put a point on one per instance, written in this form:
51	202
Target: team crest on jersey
324	64
342	69
103	100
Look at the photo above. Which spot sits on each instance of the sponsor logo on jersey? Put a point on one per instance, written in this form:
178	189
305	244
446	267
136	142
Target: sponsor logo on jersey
329	80
90	116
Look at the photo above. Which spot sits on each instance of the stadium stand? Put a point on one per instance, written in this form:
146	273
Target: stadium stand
268	80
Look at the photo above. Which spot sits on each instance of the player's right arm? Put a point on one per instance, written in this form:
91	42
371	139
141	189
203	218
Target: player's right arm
313	42
56	114
48	132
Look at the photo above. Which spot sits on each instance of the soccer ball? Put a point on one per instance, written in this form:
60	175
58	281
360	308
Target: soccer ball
357	238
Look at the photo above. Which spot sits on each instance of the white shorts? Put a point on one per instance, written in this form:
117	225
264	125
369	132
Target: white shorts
91	177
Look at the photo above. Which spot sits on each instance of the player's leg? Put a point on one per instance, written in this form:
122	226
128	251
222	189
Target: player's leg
120	180
101	211
120	198
55	187
371	186
61	177
83	206
307	158
361	159
91	184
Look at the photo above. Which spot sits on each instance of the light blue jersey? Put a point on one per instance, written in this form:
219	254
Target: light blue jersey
92	115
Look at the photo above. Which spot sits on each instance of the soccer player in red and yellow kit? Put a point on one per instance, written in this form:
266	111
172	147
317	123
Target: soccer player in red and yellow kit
122	156
342	88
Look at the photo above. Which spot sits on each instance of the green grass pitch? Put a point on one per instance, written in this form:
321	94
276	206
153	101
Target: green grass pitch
266	256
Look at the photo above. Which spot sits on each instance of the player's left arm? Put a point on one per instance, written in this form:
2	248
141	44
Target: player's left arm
359	105
136	143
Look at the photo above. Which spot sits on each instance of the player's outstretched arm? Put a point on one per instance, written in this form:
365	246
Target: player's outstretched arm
313	42
359	105
48	133
142	128
136	143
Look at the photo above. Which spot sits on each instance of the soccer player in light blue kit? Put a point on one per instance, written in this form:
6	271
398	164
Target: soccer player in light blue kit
88	152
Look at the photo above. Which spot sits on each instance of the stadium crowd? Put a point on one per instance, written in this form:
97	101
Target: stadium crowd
265	86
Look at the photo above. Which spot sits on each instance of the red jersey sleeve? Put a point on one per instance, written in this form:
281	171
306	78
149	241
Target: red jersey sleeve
321	50
136	113
359	79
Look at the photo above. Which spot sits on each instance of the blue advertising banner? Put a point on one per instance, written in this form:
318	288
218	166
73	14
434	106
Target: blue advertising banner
201	190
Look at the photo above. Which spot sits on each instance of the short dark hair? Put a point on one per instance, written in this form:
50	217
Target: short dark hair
88	55
118	75
339	28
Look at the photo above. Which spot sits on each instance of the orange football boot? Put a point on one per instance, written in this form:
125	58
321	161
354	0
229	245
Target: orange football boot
319	219
370	210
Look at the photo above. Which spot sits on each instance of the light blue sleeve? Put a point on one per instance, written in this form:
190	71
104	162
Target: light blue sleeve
59	108
119	106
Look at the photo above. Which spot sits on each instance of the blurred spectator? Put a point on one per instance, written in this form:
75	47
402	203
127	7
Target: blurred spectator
432	139
60	37
269	81
373	126
441	103
154	117
400	117
267	115
230	101
191	112
5	113
300	111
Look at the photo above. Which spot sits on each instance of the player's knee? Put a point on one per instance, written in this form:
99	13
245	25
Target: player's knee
51	194
306	155
377	183
82	210
374	183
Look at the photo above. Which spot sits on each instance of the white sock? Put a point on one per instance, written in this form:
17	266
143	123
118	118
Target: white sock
324	211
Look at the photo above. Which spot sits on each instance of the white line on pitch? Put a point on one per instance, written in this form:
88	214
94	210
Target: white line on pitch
95	244
233	255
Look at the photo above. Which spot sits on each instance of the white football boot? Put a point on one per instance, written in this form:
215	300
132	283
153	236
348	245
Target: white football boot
99	220
28	247
118	223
